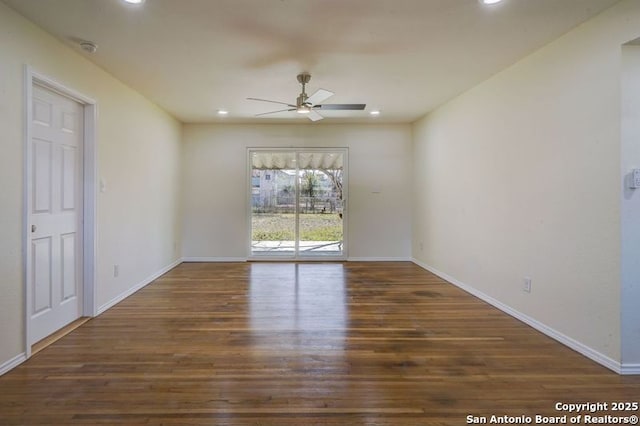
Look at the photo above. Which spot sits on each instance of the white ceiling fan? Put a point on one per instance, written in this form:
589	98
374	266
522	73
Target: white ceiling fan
310	105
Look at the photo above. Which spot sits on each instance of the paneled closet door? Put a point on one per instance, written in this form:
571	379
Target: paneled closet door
55	270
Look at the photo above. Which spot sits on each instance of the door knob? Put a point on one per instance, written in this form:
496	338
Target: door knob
33	228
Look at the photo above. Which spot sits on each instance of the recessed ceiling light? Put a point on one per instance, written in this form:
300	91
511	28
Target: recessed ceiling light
490	1
134	1
223	112
375	112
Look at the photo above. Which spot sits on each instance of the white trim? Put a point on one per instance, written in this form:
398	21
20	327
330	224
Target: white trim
57	87
379	259
629	369
89	230
579	347
214	259
145	282
90	199
12	363
26	205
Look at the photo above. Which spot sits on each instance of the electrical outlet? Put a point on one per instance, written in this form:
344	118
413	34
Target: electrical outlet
116	270
635	178
526	285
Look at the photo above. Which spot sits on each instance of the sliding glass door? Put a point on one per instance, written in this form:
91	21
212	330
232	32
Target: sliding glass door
297	200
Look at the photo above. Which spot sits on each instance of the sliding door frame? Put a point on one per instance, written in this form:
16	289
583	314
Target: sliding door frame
345	211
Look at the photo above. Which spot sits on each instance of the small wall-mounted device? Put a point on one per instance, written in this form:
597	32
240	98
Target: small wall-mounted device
88	46
635	178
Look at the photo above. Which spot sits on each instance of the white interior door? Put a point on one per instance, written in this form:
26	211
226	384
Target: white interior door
55	194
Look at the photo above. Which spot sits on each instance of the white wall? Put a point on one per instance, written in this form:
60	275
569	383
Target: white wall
520	176
630	206
215	185
138	157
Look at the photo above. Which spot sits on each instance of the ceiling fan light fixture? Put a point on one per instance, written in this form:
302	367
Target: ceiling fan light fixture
303	109
223	112
134	1
490	1
375	113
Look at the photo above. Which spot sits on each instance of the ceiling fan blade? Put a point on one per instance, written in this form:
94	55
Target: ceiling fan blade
319	96
314	116
273	102
353	107
273	112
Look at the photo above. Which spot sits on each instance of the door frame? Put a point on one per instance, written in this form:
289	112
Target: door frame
345	210
89	179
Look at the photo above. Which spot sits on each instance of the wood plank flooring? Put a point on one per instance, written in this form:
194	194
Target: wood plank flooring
301	344
47	341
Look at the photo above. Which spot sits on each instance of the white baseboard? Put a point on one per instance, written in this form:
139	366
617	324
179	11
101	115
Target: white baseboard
119	298
12	363
379	259
214	259
629	369
543	328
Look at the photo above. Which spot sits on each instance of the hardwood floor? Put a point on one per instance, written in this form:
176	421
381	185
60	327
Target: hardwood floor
49	340
302	344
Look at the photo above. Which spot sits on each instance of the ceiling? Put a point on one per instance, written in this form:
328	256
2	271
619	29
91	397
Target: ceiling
403	57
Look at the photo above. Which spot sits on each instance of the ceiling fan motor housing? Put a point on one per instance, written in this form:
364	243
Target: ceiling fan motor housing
302	100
